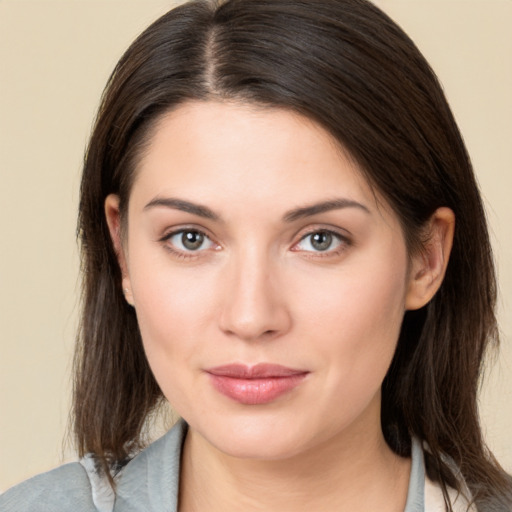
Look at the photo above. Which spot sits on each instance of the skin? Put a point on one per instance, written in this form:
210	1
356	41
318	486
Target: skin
258	290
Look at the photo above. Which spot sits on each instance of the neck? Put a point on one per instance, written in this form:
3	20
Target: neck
353	471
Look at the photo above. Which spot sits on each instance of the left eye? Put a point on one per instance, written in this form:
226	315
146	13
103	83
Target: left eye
320	241
190	240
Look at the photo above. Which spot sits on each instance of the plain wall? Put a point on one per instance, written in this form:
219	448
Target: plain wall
55	57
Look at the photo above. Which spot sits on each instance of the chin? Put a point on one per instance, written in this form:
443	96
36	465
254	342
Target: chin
266	437
280	447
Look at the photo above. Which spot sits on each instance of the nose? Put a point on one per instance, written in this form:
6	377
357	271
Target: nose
253	302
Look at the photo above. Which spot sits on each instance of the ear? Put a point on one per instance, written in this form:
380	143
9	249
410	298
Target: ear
428	266
113	217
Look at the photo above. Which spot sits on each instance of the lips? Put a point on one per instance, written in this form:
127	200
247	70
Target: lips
255	385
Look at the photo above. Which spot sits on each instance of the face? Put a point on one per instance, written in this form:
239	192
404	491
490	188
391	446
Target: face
269	281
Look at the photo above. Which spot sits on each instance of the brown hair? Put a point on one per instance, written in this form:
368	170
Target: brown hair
346	65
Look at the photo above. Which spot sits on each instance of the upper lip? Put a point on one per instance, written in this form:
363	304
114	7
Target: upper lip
258	371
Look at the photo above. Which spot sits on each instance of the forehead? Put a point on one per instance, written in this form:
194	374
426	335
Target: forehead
242	149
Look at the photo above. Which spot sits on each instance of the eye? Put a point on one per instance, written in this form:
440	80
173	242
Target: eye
321	241
189	240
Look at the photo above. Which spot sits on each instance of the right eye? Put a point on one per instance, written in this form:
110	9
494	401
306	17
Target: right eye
189	240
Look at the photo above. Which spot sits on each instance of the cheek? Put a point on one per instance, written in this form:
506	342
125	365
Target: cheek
173	311
354	321
174	308
172	329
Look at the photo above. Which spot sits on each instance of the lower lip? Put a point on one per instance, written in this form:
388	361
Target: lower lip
256	391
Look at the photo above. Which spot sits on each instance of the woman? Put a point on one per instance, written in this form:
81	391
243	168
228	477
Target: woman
278	221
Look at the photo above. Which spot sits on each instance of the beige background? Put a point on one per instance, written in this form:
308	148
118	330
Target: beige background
55	57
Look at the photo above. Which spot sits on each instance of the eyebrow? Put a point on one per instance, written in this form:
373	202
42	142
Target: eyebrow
324	206
290	216
184	206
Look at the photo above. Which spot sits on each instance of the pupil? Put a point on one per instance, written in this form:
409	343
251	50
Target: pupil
192	240
321	241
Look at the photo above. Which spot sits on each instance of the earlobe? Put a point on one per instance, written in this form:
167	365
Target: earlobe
428	266
113	217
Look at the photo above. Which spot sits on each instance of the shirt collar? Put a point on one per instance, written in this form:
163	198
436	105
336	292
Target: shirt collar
150	481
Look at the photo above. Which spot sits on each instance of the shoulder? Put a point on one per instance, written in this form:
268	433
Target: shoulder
153	475
434	500
424	494
62	489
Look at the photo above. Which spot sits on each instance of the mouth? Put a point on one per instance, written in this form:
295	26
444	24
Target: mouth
255	385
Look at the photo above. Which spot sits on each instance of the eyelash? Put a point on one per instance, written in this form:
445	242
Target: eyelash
343	243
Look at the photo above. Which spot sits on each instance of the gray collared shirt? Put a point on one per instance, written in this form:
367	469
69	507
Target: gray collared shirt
149	482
